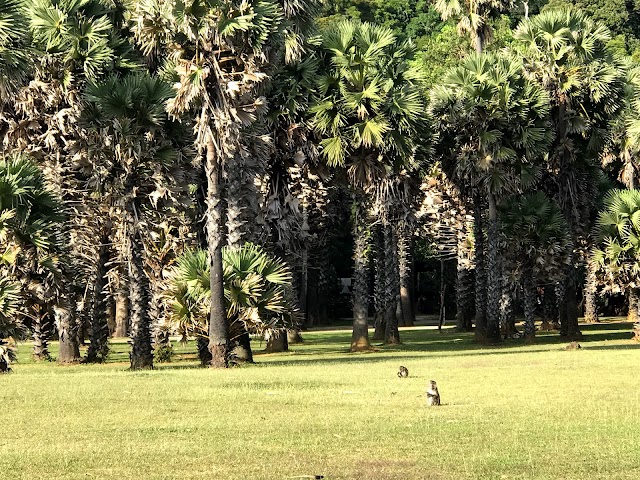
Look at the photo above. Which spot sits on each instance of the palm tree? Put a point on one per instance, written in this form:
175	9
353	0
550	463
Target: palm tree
493	123
370	116
617	248
565	53
134	158
72	41
255	293
474	17
29	232
220	51
536	244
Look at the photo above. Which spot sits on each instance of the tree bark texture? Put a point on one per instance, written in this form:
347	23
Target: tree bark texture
507	314
590	290
243	204
464	283
111	314
391	334
218	327
529	290
404	265
481	274
379	284
141	355
632	312
99	328
122	311
41	334
549	308
570	315
304	287
65	318
360	294
493	275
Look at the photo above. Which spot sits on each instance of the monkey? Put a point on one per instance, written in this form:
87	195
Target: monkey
403	372
433	396
572	346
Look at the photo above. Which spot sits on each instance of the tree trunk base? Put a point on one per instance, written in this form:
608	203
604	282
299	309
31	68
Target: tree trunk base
141	363
636	332
392	341
530	339
360	345
219	356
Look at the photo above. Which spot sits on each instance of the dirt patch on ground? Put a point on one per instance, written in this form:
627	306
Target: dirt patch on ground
388	469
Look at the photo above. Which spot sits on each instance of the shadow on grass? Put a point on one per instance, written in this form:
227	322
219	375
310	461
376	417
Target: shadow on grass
448	343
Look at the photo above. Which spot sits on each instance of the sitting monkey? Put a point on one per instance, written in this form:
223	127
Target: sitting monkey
433	396
403	372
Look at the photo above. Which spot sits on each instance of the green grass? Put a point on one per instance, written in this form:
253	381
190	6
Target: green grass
513	411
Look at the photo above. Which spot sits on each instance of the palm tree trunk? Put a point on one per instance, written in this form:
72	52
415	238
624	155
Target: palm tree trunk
122	310
404	265
111	314
632	312
391	334
139	296
481	277
41	334
561	293
549	308
570	315
590	289
360	295
242	225
243	205
99	343
529	289
64	314
507	315
464	283
304	287
379	285
218	328
493	274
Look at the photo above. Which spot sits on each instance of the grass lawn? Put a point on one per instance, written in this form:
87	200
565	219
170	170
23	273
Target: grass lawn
509	412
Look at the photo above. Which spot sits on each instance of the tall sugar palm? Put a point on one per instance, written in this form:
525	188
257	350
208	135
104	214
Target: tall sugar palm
565	52
474	17
30	215
134	156
220	53
72	41
370	115
536	245
494	125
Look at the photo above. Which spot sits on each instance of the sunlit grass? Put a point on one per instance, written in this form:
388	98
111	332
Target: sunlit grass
513	411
